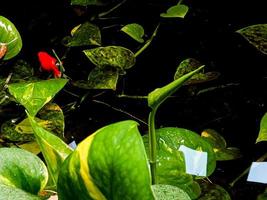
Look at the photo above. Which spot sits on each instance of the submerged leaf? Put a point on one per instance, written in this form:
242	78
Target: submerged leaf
113	168
84	34
135	31
177	11
9	37
256	35
111	56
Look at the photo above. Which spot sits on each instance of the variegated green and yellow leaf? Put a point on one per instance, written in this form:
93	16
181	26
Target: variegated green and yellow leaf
52	147
109	164
22	169
33	96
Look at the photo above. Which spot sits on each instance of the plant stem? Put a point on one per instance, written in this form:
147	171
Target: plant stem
112	9
262	158
152	145
131	96
148	42
180	2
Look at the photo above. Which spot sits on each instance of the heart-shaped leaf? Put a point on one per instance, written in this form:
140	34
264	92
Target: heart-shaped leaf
219	145
171	168
111	56
10	192
263	129
84	34
256	35
109	164
213	191
33	96
135	31
9	37
163	192
22	169
177	11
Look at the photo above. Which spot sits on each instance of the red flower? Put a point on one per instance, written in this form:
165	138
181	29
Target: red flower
48	63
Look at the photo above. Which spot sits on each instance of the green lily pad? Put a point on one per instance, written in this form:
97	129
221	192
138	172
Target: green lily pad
111	56
9	37
82	35
177	11
191	64
256	35
135	31
262	136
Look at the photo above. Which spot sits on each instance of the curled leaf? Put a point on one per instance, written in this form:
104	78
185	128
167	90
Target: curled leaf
135	31
10	39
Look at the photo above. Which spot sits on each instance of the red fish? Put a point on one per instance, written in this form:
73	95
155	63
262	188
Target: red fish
48	63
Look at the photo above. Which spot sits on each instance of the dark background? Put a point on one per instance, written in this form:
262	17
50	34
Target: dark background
208	34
